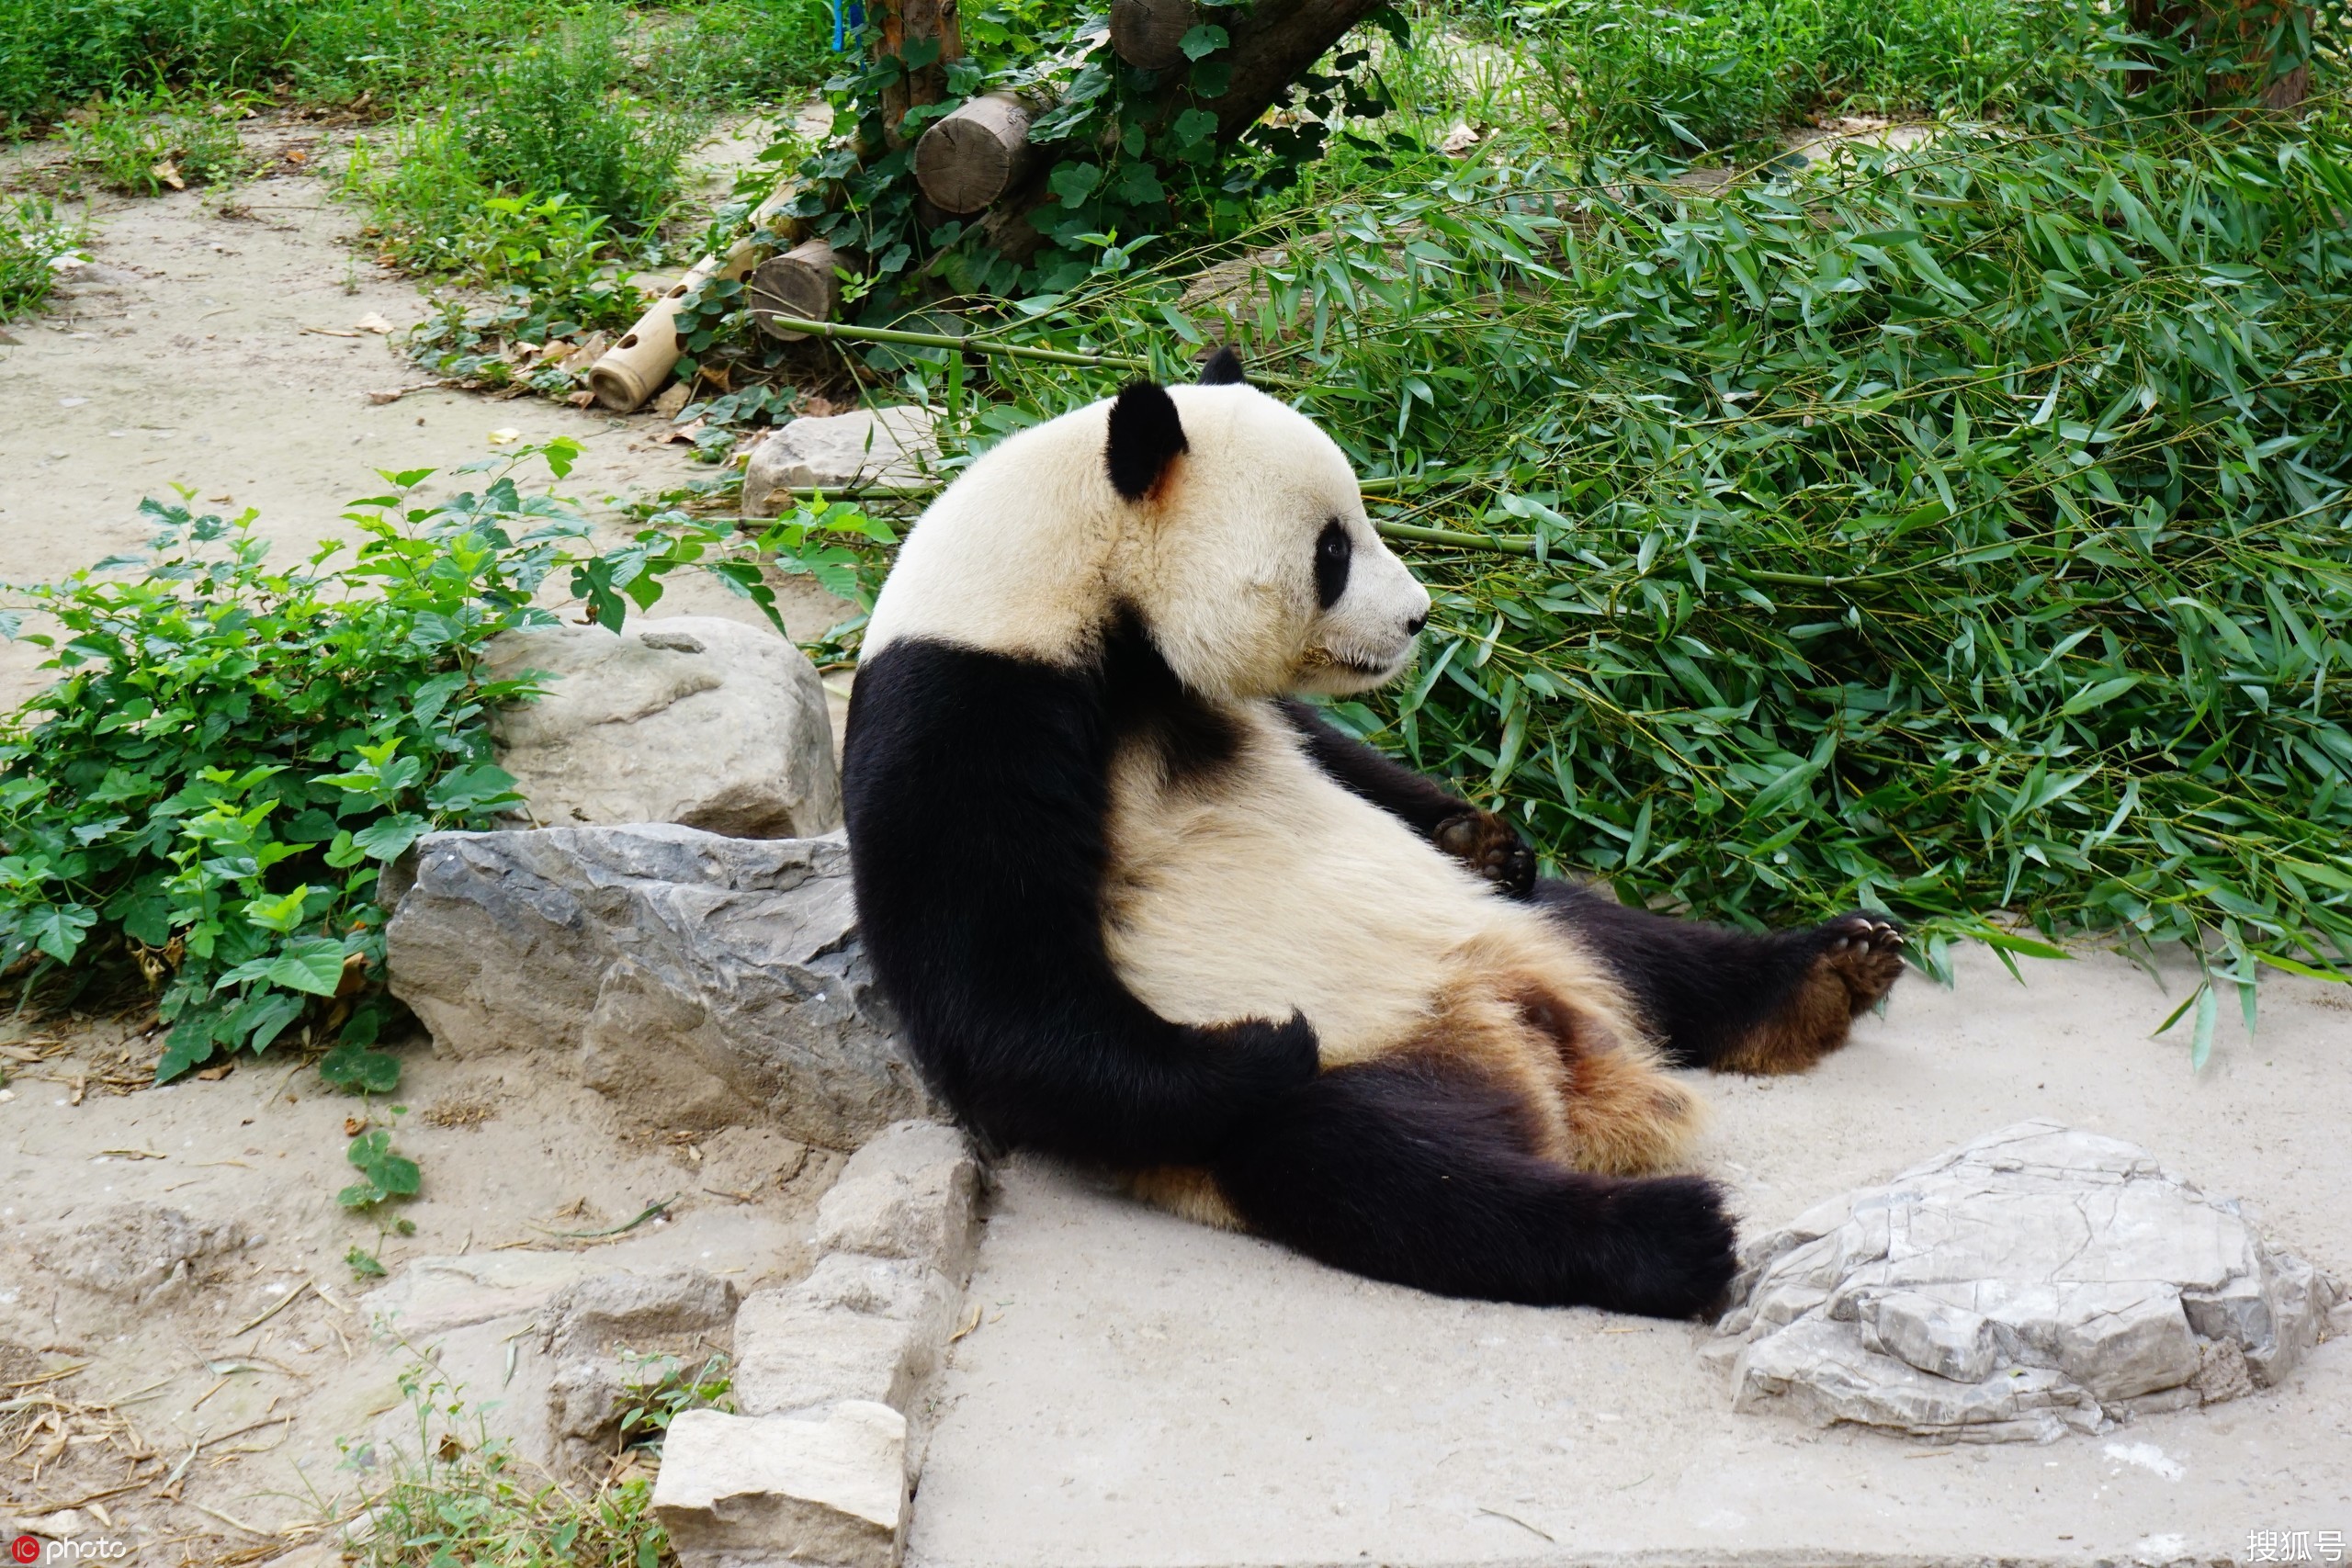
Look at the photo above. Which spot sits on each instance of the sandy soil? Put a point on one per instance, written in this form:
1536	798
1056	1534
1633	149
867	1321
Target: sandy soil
213	344
1142	1391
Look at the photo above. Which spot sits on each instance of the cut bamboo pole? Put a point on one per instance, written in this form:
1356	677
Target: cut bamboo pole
634	368
798	287
966	161
1149	34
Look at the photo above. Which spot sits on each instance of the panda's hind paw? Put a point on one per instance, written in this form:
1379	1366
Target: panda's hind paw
1491	847
1864	952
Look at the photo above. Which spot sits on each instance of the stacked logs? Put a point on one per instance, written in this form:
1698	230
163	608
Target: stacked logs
978	159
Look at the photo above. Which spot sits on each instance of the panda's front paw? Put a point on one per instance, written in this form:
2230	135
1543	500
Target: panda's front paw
1491	847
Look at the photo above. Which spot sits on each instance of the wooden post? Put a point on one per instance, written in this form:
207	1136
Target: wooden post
905	22
1149	34
972	157
799	285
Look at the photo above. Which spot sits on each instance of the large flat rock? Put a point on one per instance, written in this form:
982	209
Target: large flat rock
1143	1391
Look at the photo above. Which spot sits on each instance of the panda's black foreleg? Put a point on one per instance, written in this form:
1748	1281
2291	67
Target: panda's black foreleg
975	788
1729	999
1479	840
1407	1171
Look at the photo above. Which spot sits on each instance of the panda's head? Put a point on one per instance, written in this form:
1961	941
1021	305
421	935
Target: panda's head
1219	517
1248	552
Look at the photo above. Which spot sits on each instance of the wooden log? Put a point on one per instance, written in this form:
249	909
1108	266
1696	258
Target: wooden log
1149	34
798	286
972	157
634	368
905	22
2241	25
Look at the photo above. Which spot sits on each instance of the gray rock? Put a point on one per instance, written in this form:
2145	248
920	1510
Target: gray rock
612	1335
700	981
890	448
909	1193
2038	1281
139	1252
690	719
857	1327
746	1492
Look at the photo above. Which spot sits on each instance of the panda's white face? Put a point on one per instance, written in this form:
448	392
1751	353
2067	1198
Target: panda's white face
1254	564
1243	546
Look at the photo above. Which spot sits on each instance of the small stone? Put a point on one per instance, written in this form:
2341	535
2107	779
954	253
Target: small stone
910	1195
890	448
690	719
746	1492
139	1252
2038	1281
857	1327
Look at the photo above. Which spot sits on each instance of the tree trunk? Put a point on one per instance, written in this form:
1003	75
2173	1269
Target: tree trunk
1273	46
1149	34
905	22
2234	24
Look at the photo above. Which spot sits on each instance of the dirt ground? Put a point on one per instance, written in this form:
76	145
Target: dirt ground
213	343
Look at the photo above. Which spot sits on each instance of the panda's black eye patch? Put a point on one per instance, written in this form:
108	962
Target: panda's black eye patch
1333	550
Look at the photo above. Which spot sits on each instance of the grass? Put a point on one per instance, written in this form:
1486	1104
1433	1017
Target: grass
32	239
143	143
55	54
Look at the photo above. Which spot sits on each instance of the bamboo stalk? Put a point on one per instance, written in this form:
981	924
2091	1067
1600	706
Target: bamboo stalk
972	345
634	368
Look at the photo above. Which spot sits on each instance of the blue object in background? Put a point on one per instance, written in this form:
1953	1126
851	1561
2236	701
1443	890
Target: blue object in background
849	16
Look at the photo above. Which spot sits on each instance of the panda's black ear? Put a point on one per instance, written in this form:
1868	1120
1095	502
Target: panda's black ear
1145	436
1223	369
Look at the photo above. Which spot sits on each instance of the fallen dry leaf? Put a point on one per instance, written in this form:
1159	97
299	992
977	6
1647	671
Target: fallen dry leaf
504	437
353	1125
373	321
222	500
296	155
74	1095
681	433
214	1075
169	172
580	400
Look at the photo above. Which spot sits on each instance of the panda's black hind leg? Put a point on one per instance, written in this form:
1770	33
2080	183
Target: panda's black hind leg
1411	1172
1732	1000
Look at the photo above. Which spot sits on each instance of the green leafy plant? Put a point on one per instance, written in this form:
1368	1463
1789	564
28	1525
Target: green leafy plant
33	239
363	1264
465	1495
144	143
383	1174
236	750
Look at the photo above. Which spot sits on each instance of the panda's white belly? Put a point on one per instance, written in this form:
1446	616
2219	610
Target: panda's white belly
1271	888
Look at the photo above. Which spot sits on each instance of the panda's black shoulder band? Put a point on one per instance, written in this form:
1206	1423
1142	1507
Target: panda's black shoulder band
1223	369
1145	436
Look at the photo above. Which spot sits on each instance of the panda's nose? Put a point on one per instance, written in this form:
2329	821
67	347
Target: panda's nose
1413	628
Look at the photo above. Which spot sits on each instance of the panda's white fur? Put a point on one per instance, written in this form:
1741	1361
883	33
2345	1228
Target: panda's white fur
1268	887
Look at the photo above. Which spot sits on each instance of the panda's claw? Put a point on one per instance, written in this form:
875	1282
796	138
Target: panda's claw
1490	846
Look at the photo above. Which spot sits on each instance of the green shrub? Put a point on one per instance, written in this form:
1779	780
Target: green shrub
32	238
234	751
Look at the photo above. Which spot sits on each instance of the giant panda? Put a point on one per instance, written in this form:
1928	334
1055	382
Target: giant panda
1136	905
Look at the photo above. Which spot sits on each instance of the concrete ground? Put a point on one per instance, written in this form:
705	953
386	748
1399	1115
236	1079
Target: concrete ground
1145	1391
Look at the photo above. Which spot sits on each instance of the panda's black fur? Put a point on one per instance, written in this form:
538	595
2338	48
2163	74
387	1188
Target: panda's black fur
978	786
